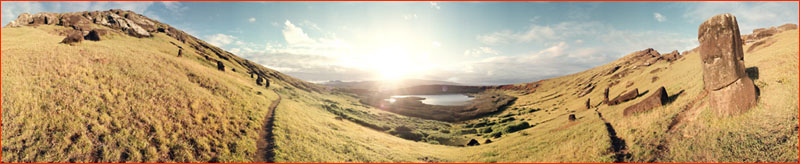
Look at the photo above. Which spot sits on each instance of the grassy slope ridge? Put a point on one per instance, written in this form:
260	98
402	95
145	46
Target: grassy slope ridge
123	99
128	99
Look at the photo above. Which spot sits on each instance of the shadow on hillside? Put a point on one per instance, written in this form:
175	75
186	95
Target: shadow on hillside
674	97
752	72
643	93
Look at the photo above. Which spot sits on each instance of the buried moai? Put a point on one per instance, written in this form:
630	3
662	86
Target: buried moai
731	92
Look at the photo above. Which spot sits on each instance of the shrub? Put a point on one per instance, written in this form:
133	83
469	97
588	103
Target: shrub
516	127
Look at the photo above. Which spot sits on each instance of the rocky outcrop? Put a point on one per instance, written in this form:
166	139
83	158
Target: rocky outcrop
655	100
672	56
761	33
625	97
731	92
132	24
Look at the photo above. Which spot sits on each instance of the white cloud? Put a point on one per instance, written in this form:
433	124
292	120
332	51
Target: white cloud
659	17
174	6
295	36
251	19
540	33
750	15
435	5
220	40
476	52
12	9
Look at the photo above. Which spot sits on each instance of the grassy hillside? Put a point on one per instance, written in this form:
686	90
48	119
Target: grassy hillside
127	99
114	101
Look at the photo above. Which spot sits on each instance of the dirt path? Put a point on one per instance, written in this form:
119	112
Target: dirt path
618	145
265	154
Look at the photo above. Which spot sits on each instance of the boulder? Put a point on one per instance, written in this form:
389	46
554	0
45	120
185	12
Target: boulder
731	92
473	142
572	117
73	37
625	97
220	66
655	100
487	141
180	54
96	35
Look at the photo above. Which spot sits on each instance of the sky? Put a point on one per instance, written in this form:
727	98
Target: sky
476	43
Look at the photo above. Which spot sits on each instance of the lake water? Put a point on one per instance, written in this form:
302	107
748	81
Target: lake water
443	99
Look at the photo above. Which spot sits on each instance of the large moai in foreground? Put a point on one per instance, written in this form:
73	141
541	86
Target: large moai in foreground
731	91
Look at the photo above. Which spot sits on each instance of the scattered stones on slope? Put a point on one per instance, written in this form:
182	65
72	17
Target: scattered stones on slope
655	100
731	92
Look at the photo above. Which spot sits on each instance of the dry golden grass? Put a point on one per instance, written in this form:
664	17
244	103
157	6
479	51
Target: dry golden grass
115	101
140	103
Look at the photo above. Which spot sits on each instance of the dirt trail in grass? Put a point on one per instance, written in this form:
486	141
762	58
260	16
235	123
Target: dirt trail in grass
618	146
266	143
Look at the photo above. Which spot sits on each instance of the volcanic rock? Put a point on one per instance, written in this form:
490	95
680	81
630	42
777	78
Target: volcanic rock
96	35
625	97
487	141
73	37
730	90
572	117
655	100
672	56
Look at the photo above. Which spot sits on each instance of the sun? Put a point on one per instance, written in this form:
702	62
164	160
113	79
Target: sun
393	63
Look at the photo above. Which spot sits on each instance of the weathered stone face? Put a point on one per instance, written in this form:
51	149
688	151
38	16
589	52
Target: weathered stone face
721	51
731	92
